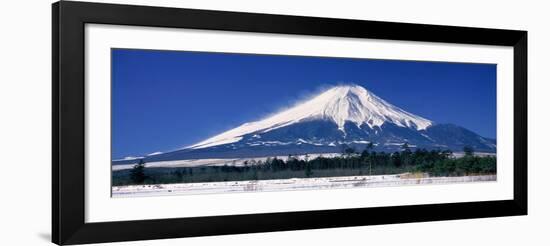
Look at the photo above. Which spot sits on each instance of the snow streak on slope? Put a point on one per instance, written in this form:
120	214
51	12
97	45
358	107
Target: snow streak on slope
340	104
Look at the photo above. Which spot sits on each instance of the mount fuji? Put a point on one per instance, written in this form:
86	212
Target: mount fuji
341	116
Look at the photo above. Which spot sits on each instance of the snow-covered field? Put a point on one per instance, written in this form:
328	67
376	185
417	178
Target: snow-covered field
290	184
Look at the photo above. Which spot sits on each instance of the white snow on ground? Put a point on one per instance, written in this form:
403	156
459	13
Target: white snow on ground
340	104
289	184
129	158
155	153
302	141
399	144
428	137
480	154
219	162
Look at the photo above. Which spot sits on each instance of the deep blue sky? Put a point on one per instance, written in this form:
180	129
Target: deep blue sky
164	100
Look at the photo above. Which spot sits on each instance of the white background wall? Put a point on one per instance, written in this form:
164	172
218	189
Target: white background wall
25	122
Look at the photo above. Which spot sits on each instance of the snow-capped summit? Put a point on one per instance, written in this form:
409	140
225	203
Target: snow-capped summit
340	104
355	104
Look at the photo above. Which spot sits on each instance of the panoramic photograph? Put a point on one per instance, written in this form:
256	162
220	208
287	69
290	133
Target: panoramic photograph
188	123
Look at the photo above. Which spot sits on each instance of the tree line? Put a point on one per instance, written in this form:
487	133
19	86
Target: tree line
349	163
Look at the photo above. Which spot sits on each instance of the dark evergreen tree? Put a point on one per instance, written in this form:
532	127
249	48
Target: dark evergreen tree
405	147
348	150
308	170
137	174
396	159
370	146
468	150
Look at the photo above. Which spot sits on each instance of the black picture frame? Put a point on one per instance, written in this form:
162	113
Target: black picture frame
68	141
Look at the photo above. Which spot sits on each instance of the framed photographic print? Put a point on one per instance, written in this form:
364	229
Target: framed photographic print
175	122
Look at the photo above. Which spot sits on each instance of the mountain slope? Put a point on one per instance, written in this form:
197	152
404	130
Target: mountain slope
340	104
338	117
